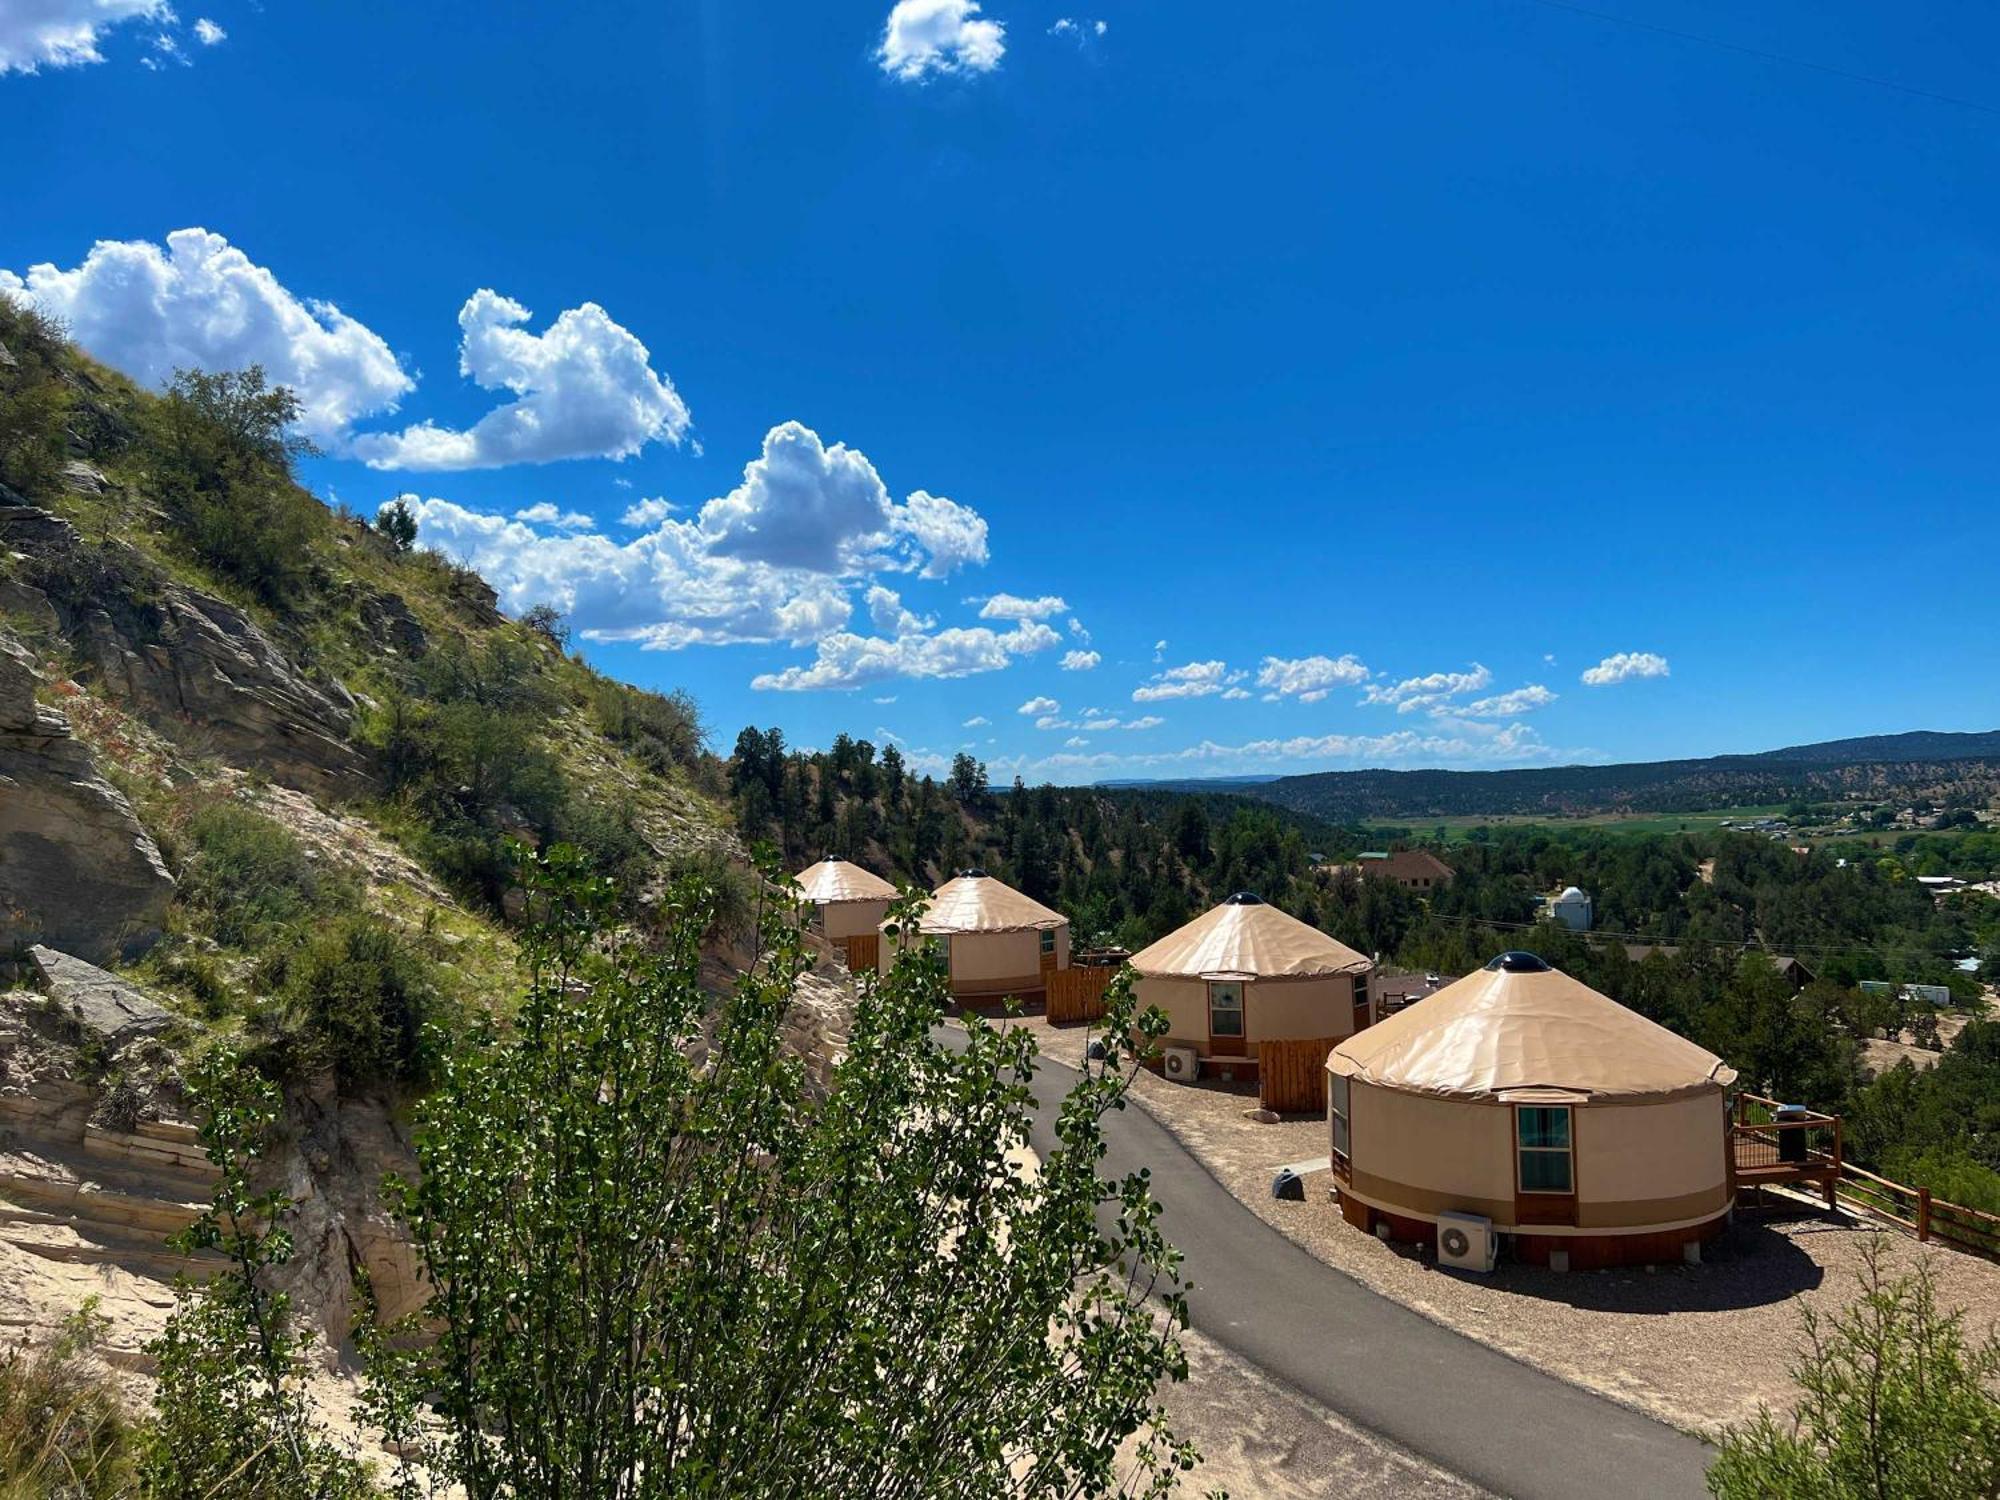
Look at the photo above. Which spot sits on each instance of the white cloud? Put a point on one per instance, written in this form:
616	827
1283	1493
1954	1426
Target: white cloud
846	661
208	33
1624	666
1079	31
1197	679
975	722
1231	695
1080	661
1076	742
1506	705
823	509
586	388
663	589
887	614
952	536
648	512
1076	629
1414	693
1039	706
37	34
543	513
890	698
201	302
939	36
1308	678
1014	607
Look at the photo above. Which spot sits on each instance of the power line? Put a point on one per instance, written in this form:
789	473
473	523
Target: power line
1784	59
1816	950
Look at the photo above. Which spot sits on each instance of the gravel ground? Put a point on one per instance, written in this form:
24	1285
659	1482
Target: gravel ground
1697	1346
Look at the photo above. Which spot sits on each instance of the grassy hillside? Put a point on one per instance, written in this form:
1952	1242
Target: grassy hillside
331	736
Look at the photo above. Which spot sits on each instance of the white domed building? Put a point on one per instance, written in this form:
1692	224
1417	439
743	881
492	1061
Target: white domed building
1572	909
1554	1117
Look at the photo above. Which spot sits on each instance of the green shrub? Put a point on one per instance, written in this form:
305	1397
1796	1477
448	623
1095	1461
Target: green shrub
356	996
1896	1403
34	400
246	874
63	1429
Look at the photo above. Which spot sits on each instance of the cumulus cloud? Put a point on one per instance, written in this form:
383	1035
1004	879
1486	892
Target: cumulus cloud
1076	629
1197	679
648	512
1081	661
1429	691
1308	678
208	33
1231	695
952	536
37	34
1014	607
1507	705
200	301
846	661
586	388
1039	706
543	513
975	722
1475	743
822	508
922	37
888	615
1624	666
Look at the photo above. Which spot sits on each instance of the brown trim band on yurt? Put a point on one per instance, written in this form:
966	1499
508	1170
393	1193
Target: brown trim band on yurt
1662	1215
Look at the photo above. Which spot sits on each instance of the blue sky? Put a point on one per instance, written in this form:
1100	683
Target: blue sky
1358	378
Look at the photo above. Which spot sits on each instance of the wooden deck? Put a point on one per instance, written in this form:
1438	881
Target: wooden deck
1765	1151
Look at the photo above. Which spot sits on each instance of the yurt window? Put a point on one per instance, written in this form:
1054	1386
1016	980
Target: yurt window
1542	1134
1048	940
1225	1009
1337	1107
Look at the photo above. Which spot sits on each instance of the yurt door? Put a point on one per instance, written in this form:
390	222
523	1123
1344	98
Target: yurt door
1225	1019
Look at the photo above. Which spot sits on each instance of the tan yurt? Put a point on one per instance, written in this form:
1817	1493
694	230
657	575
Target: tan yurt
1519	1108
997	941
851	901
1245	972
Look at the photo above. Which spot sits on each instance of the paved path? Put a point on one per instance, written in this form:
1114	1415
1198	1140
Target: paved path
1472	1410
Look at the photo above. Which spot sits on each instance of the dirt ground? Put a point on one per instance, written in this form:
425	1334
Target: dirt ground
1697	1346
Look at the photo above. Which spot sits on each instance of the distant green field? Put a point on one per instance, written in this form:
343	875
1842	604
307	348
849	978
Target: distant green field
1458	829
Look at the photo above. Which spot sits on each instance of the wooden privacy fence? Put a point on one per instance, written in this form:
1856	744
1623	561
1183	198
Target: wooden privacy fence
1291	1073
864	952
1077	994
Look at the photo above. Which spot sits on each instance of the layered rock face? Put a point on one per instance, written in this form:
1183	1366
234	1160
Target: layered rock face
76	868
196	668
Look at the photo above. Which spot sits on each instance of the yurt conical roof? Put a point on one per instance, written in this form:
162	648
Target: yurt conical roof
975	902
1245	938
1522	1032
832	881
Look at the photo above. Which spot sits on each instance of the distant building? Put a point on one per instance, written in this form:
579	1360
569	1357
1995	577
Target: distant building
1572	909
1791	969
1412	869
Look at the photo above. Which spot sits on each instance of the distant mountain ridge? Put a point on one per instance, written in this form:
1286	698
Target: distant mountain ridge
1925	763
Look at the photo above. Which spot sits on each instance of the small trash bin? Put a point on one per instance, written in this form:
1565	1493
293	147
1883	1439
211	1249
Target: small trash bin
1792	1143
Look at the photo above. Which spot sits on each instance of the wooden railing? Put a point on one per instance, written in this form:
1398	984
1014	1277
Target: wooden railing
1291	1074
1077	994
864	952
1757	1144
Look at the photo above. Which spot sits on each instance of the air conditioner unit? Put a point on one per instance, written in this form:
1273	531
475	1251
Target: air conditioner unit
1181	1064
1466	1241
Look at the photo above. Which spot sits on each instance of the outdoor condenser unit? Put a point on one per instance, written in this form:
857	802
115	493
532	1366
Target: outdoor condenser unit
1180	1064
1466	1241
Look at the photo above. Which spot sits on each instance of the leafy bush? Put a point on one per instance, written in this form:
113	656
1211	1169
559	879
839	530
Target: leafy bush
34	400
63	1429
246	874
355	998
664	730
220	453
664	1259
1896	1403
233	1421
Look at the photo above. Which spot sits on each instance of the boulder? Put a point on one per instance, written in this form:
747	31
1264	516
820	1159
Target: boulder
82	479
114	1010
77	869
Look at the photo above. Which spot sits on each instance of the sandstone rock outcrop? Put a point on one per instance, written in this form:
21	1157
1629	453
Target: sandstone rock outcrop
196	668
77	870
